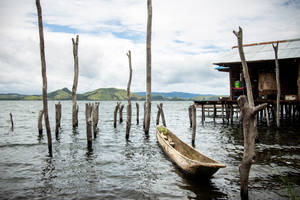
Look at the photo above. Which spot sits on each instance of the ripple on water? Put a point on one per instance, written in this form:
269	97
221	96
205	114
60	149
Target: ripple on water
138	168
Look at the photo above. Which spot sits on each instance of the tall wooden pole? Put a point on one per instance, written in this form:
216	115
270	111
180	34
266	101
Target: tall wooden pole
148	68
75	83
248	114
129	110
275	47
44	75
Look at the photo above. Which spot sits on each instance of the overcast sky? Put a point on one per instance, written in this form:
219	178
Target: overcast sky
187	37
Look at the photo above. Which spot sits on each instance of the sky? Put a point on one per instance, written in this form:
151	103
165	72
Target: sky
187	37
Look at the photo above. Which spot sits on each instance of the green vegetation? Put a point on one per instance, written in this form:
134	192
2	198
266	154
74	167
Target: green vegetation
163	130
101	94
108	94
289	186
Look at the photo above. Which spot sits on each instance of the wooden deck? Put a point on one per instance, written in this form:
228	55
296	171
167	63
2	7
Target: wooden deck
229	109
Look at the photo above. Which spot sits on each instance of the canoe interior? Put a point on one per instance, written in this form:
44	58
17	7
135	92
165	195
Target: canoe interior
190	152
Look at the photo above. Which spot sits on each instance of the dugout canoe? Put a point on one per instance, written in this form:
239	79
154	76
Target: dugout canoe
186	157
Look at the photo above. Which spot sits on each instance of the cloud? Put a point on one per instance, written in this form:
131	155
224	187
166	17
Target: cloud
187	38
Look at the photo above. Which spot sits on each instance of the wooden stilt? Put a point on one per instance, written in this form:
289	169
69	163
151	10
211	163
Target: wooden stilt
162	115
222	112
88	117
144	115
115	114
231	113
190	116
215	112
203	112
137	113
95	114
158	115
194	124
267	116
57	118
121	113
40	122
12	122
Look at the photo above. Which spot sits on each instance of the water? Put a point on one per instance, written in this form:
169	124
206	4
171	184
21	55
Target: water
137	169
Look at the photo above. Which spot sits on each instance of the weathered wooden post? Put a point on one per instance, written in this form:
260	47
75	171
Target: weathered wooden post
148	68
121	113
193	124
203	112
267	116
144	120
57	117
190	115
12	122
162	115
95	117
137	113
88	118
129	110
44	76
75	83
275	47
222	112
248	114
158	115
215	112
116	113
40	122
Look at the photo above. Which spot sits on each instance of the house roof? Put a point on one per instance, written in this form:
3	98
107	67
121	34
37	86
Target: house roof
263	51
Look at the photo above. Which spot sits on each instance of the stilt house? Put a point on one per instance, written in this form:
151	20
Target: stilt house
260	58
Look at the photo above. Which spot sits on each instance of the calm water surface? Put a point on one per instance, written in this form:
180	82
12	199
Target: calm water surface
138	168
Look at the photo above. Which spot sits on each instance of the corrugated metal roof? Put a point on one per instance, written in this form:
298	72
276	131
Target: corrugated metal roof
263	51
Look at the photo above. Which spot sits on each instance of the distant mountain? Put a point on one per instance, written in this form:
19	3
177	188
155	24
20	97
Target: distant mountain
181	95
108	94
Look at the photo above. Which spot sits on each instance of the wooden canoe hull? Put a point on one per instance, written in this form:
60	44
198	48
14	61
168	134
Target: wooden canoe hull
186	164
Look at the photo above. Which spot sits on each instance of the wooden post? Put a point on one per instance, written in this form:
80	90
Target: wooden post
194	124
231	113
158	115
12	122
162	115
121	113
57	118
203	112
95	111
116	113
137	113
222	112
275	47
44	76
298	81
88	118
148	68
40	122
190	115
215	112
129	110
144	120
75	83
248	114
267	116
